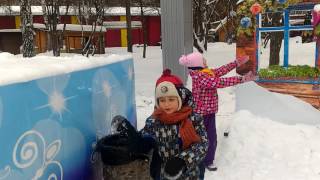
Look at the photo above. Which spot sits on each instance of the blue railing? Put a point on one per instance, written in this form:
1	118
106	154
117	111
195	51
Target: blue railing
286	28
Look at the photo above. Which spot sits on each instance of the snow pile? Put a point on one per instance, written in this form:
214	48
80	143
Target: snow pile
278	107
272	136
263	149
16	69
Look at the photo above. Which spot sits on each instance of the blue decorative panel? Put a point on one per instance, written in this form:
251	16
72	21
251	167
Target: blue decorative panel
49	126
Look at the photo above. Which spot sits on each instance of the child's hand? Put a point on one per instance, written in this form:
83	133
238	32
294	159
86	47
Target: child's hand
241	60
249	77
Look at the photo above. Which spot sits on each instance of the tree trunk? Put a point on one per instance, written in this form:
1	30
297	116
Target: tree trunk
128	19
27	31
101	44
45	18
144	31
275	46
100	15
201	21
145	36
275	40
55	44
206	36
199	25
53	21
196	43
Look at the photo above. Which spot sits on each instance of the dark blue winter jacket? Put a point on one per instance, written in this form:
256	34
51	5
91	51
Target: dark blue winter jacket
169	144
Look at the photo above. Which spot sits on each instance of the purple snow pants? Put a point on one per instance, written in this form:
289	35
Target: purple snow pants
210	124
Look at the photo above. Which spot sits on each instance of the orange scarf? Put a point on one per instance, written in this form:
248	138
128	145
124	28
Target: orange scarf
187	132
208	71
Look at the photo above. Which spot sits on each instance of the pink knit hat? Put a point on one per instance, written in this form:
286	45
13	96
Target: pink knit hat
194	59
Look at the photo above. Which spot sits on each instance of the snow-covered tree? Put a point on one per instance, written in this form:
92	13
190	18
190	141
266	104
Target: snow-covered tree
128	19
7	5
205	12
99	5
91	13
51	12
45	19
144	29
27	29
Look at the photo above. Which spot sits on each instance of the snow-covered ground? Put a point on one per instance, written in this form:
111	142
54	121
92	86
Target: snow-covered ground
14	69
272	136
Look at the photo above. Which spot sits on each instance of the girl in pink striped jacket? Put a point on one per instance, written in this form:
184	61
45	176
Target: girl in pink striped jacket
205	82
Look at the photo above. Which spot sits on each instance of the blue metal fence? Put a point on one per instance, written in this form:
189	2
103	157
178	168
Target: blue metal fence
286	28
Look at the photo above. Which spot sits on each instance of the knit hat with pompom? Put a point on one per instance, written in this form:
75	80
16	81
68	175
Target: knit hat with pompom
167	85
194	59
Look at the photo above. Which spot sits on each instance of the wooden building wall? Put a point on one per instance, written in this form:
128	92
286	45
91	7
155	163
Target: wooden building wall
7	22
113	38
10	42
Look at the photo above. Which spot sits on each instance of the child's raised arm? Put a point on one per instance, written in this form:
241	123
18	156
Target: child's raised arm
229	67
228	81
231	81
220	71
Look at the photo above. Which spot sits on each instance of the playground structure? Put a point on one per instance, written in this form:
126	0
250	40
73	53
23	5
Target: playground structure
286	28
51	121
305	89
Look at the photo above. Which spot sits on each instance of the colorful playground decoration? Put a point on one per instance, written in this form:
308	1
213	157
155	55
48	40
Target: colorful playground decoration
256	8
316	26
316	20
50	125
304	87
245	22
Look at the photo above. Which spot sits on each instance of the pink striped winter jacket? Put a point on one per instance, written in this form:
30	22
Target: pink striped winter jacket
204	87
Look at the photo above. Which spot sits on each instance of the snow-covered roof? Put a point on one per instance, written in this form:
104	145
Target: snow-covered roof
73	27
110	11
85	28
117	11
45	65
121	24
15	10
10	30
89	28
